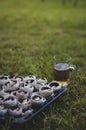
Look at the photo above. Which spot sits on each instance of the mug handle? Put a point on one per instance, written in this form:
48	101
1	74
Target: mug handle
72	67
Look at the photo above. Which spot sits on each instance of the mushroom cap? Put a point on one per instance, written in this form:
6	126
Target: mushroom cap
46	91
18	78
1	90
21	94
16	111
55	85
27	112
44	80
30	79
3	111
39	85
1	99
37	99
27	87
11	86
4	79
6	94
26	104
10	102
1	87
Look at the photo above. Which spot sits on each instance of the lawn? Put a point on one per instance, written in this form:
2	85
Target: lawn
31	33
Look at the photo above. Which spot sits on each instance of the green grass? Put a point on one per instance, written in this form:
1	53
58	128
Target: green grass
31	33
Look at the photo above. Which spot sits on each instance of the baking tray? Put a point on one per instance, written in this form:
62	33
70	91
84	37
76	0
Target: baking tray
37	110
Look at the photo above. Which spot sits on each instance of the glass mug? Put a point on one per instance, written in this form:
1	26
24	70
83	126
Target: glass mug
62	68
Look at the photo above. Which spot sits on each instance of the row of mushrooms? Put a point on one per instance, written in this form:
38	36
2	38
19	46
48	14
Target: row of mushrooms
19	94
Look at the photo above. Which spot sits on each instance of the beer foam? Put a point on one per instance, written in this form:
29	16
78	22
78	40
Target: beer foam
61	66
